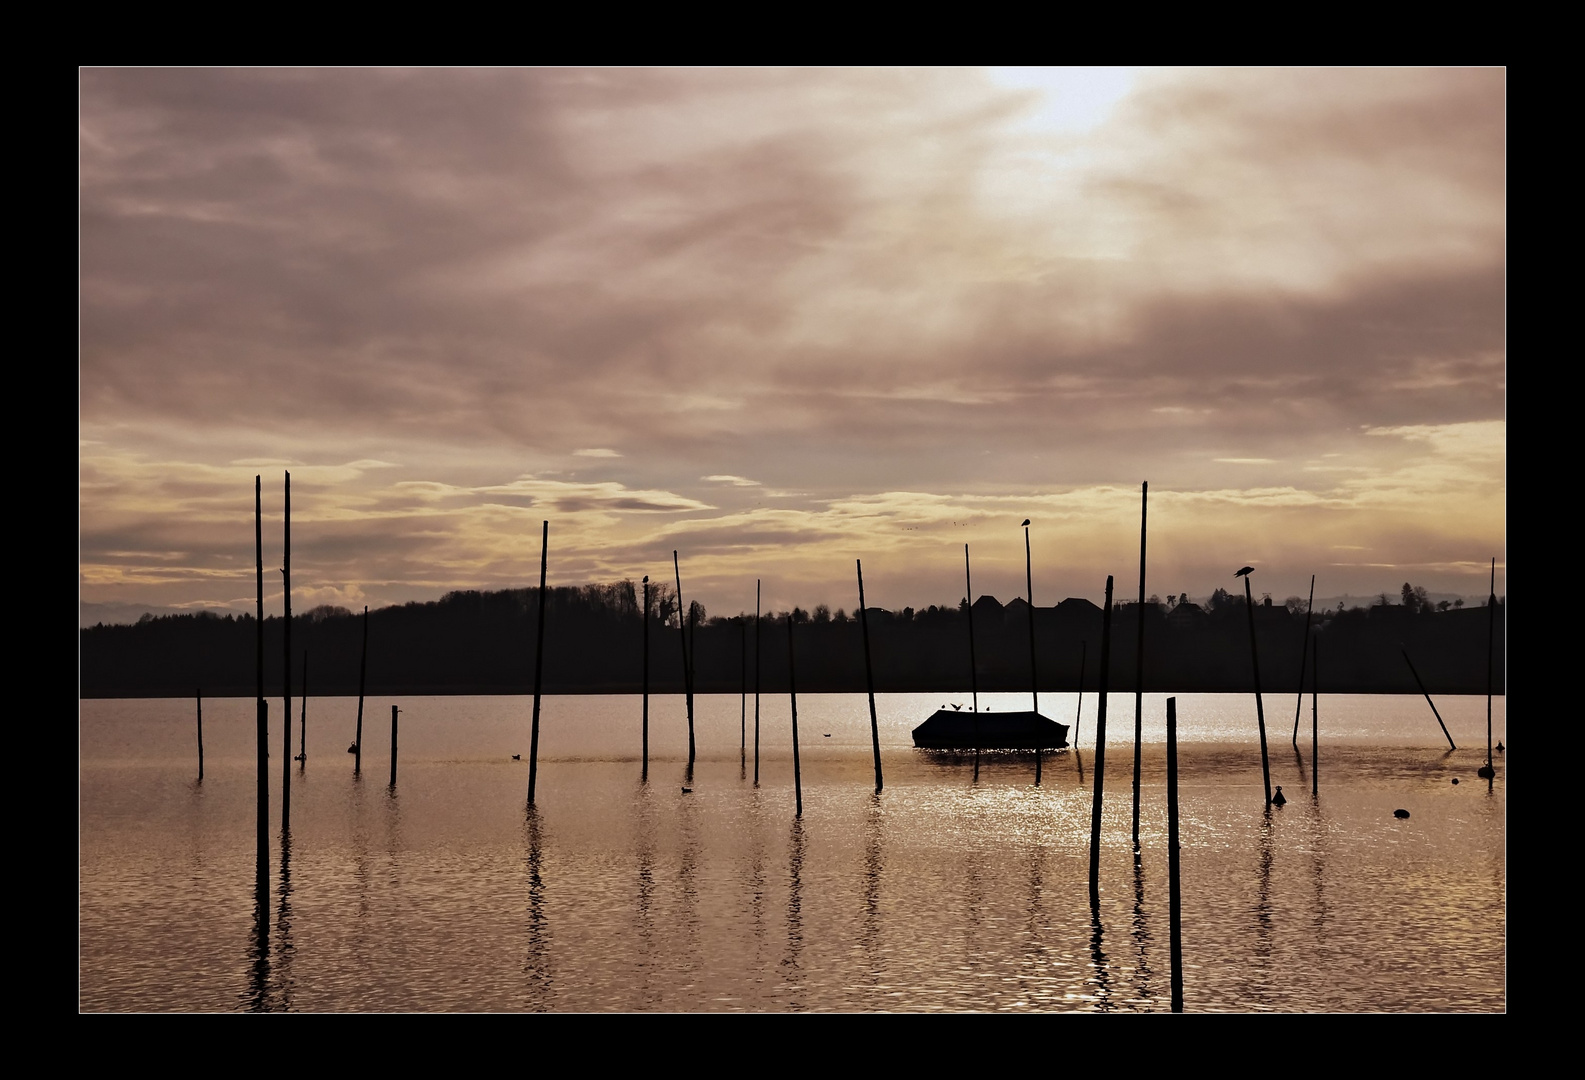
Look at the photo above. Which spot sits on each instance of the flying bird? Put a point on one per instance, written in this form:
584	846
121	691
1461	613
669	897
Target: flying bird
1244	571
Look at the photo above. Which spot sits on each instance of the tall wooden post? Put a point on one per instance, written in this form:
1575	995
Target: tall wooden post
394	711
1260	710
974	676
742	701
645	774
869	676
792	690
1139	659
302	732
363	674
539	662
1298	706
1174	874
200	735
262	720
286	669
1100	748
1034	676
1315	720
1078	712
756	680
1491	648
687	666
1427	693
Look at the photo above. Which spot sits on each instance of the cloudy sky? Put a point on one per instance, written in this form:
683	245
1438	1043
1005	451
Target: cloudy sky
781	320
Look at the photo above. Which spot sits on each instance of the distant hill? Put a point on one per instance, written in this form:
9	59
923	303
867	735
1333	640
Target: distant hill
483	643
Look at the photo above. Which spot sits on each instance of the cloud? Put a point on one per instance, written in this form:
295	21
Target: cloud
601	452
735	481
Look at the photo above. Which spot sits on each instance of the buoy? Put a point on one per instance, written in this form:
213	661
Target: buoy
1499	747
353	749
1455	779
1400	814
1279	799
517	757
1486	772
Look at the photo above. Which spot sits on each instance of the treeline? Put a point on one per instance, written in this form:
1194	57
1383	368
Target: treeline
483	643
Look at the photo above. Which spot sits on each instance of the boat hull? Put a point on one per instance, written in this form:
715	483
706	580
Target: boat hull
951	729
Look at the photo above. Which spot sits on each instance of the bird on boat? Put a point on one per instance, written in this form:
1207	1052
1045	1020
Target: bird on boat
1279	799
1245	571
1400	814
957	706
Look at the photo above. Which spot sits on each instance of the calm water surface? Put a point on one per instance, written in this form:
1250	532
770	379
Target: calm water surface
947	892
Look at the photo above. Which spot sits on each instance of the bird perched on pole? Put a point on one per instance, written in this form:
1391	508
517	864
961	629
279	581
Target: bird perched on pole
1026	522
1244	571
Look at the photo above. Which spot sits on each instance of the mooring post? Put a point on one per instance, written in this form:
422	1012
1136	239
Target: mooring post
302	732
792	690
1418	682
262	719
286	669
363	674
742	701
1078	712
1100	748
1260	710
1034	676
1174	873
394	711
869	676
1315	720
645	774
1139	658
757	627
1491	648
687	666
1304	651
974	677
539	661
200	735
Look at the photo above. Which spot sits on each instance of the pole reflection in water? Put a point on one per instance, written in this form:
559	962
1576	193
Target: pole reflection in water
282	996
1260	969
644	919
870	924
256	999
1141	932
756	882
690	857
792	976
1101	977
537	975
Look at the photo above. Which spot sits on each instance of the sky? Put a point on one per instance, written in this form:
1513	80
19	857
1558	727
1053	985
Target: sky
782	320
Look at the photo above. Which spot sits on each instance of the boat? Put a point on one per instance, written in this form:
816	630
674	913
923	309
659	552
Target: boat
949	729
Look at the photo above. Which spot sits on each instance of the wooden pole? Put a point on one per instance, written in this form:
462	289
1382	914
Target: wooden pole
1034	677
394	711
645	774
1260	709
1427	694
1298	706
1315	720
792	690
262	720
200	735
1139	658
286	669
1174	870
302	733
974	676
1491	648
1078	712
363	673
1100	748
539	662
869	676
756	681
742	701
687	667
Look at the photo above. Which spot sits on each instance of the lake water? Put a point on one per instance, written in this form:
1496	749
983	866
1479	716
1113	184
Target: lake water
947	892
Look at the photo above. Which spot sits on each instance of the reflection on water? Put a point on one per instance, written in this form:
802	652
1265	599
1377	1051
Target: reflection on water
944	892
